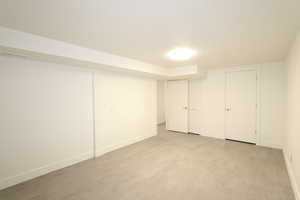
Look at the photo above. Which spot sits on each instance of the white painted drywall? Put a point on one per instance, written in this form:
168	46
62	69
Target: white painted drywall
43	48
161	102
292	136
207	104
46	118
272	94
125	110
28	44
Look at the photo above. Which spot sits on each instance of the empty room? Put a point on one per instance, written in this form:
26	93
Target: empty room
150	100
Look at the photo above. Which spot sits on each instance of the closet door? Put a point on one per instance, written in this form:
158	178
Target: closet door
196	108
177	106
240	111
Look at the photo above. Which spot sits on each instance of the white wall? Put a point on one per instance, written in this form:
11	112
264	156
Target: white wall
125	110
292	139
272	95
207	104
160	102
46	118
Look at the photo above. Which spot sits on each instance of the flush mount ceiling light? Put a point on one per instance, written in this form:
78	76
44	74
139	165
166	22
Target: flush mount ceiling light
181	54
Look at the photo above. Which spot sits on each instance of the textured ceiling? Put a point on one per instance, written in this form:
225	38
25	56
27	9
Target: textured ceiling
226	32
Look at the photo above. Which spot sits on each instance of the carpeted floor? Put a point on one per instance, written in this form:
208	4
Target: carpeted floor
170	166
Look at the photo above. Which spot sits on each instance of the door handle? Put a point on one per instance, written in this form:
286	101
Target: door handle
185	107
228	109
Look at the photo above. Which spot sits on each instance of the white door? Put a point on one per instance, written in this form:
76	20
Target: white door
240	110
196	111
177	106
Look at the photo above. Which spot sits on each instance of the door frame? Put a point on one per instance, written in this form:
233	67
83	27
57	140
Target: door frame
257	69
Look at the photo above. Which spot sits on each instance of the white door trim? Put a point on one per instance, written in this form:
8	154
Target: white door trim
256	68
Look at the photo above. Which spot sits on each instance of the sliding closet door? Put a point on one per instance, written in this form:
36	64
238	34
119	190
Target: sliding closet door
240	111
177	106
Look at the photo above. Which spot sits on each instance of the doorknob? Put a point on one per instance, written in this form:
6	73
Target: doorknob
185	107
228	109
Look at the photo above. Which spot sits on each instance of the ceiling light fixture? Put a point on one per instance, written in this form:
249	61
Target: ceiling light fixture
181	54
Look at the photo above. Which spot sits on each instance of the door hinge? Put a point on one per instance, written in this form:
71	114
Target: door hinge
255	132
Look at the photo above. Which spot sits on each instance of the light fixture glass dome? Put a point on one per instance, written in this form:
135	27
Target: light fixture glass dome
181	54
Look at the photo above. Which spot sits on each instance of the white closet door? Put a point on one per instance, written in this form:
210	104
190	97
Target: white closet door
241	92
196	111
177	106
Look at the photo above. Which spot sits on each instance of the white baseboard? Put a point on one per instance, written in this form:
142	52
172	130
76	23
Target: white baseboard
213	136
34	173
274	146
291	175
124	143
10	181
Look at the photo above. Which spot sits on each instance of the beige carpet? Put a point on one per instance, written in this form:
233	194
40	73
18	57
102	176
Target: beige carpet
170	166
